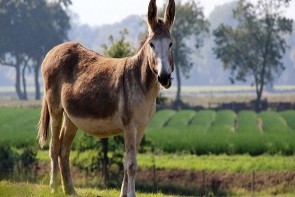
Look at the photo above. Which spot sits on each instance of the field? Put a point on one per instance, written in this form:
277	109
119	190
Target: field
228	147
210	132
10	189
202	132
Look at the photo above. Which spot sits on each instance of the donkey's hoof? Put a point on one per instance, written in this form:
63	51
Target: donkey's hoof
71	192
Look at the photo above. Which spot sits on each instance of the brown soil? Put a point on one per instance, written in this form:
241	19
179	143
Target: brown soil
196	180
216	181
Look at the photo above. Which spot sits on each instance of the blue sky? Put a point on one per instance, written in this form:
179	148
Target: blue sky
99	12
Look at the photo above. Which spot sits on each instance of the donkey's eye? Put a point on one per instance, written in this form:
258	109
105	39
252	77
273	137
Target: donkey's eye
170	45
152	46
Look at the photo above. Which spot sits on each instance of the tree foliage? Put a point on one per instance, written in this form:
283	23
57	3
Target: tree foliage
189	24
120	48
255	47
29	28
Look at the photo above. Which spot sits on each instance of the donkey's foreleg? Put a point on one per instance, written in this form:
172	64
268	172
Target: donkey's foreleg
66	138
124	187
130	159
56	121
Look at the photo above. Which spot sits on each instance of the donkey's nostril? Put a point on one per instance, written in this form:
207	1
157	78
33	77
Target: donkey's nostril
165	80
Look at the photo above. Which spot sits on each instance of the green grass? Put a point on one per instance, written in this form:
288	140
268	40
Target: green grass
273	122
18	126
247	121
12	189
289	117
224	121
203	132
203	119
181	119
218	163
161	118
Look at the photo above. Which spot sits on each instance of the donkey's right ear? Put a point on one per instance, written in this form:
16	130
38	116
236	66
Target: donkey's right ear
152	15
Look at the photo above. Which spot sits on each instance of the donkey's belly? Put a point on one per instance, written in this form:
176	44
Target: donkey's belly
97	127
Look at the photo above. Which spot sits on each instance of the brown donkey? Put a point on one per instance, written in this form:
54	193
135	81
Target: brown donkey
104	96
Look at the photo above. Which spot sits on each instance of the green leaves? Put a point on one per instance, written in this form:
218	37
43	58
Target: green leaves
253	50
120	48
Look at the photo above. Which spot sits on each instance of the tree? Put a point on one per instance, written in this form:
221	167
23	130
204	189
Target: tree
255	47
29	29
189	23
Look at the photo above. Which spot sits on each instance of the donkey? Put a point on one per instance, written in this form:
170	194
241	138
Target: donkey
104	96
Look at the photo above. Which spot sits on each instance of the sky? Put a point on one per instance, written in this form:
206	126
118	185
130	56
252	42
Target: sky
101	12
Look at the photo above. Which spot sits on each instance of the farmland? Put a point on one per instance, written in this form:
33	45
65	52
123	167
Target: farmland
218	143
197	132
210	132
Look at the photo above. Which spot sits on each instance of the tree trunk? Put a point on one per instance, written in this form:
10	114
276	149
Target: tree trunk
36	79
105	161
25	96
178	79
18	80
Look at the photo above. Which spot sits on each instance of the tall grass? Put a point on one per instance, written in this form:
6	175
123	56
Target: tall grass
225	121
203	132
161	118
181	119
213	133
289	117
203	119
18	126
247	122
273	122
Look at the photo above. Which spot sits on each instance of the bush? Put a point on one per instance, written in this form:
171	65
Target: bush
8	159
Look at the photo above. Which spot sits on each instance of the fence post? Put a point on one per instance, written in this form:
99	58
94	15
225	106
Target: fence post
203	182
253	182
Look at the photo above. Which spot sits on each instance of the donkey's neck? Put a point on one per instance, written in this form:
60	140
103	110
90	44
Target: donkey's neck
146	80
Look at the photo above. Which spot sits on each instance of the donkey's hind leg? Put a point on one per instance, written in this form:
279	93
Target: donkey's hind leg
67	136
56	122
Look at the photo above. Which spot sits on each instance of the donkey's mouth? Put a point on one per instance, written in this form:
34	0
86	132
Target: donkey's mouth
165	81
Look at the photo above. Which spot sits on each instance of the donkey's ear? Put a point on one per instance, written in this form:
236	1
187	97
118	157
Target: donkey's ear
169	14
152	15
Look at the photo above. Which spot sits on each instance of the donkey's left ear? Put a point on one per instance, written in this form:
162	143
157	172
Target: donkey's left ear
169	14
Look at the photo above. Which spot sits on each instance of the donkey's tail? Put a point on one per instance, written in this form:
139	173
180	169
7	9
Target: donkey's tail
43	125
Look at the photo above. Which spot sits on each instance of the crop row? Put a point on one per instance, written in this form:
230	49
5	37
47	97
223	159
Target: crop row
201	132
210	132
226	120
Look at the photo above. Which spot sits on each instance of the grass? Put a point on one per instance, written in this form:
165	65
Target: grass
289	117
273	122
161	118
18	126
181	119
214	163
218	163
224	121
202	132
248	122
12	189
203	119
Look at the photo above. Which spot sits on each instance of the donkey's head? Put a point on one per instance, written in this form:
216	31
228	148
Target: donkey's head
160	42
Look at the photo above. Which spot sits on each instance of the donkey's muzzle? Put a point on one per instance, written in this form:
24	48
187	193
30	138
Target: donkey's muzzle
165	80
